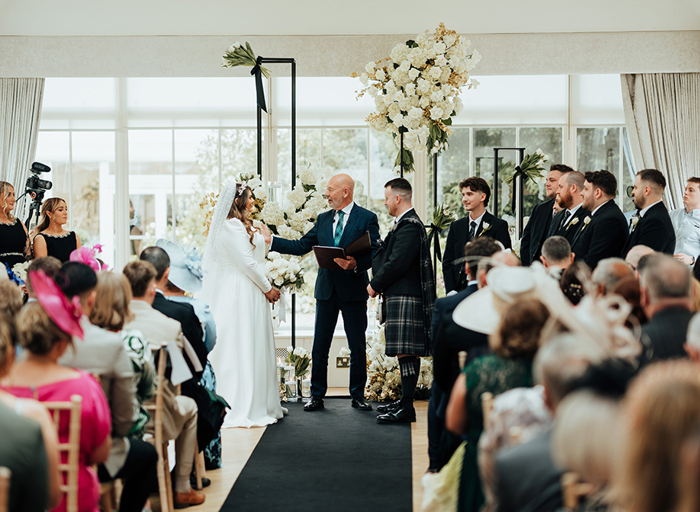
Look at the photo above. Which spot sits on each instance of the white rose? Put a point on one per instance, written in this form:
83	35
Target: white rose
279	281
435	72
370	67
364	78
344	352
380	75
413	73
297	196
436	114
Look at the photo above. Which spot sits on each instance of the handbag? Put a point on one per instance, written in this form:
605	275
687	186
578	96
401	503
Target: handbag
441	490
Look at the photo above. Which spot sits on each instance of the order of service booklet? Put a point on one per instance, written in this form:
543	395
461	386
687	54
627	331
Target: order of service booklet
358	247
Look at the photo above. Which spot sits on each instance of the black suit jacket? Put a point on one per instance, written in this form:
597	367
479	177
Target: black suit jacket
665	334
572	228
191	327
535	232
603	237
457	238
449	339
396	265
654	230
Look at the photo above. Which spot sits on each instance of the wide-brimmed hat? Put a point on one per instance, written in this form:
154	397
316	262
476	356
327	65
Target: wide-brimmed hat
185	266
482	310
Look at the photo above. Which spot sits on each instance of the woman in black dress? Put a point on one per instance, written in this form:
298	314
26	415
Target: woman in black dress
14	240
52	239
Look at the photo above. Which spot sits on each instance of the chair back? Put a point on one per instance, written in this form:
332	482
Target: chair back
71	466
5	475
573	490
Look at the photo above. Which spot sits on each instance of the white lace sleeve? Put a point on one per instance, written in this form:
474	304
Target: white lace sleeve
236	243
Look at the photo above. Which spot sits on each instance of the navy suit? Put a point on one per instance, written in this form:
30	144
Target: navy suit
338	291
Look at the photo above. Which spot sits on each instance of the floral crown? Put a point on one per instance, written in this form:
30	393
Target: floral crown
240	187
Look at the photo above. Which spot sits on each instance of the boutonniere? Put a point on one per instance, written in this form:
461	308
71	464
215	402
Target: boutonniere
635	221
586	222
484	228
572	223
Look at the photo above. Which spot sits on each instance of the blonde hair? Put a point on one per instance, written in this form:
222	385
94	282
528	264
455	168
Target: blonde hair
662	410
239	210
37	332
8	339
10	297
48	207
4	192
113	295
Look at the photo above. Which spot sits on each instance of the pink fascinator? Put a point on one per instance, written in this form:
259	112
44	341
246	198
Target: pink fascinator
88	256
65	313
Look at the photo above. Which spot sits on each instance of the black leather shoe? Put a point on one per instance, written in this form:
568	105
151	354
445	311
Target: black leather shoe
205	482
359	403
314	404
399	416
393	406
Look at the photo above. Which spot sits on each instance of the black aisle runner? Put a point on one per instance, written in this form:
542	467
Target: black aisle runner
336	459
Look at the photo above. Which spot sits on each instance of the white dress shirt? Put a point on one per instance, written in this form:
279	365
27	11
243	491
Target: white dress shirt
687	228
346	211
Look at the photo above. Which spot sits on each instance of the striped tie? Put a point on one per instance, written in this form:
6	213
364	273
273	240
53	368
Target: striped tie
338	228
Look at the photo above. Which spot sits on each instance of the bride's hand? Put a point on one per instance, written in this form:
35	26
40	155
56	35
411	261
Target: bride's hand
273	295
266	233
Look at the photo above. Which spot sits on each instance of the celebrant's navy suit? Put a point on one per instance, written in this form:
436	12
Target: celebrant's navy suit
343	291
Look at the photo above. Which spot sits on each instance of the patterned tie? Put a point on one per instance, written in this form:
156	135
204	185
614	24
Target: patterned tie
564	220
472	230
338	228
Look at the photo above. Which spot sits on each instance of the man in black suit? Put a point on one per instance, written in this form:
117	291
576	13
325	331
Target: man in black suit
568	221
667	298
403	274
604	231
478	222
537	227
652	225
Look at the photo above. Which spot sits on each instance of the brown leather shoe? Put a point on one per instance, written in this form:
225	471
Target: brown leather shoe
188	499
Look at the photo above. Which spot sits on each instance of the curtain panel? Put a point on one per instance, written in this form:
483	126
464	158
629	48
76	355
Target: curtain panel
662	114
20	110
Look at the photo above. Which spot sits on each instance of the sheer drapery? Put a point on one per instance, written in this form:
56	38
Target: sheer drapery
20	109
662	113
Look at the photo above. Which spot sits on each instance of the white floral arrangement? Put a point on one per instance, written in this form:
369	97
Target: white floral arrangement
416	90
300	358
20	270
284	272
384	374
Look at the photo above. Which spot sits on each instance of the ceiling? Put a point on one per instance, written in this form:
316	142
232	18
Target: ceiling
340	17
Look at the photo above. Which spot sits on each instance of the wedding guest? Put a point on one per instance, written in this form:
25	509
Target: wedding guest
537	227
608	273
478	222
692	344
662	410
51	239
10	298
403	275
572	280
686	224
635	254
179	412
604	231
102	353
38	375
569	221
652	225
630	290
338	291
667	300
29	448
514	344
14	239
556	255
48	265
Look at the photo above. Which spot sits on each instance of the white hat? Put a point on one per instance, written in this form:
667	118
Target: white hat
185	266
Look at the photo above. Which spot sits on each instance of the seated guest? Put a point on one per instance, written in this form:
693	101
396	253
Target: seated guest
608	273
10	298
475	197
635	254
51	239
686	224
556	255
568	222
38	375
604	231
667	300
661	411
514	343
692	344
102	353
29	448
630	290
572	281
179	412
652	226
48	265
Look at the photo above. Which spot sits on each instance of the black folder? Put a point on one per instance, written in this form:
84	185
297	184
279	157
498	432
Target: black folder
358	247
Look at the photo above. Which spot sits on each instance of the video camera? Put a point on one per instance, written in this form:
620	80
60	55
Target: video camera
36	188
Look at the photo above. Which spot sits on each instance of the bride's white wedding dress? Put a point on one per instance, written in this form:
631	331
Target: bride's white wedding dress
244	355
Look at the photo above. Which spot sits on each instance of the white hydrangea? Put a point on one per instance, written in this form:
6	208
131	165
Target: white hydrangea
297	197
272	214
307	176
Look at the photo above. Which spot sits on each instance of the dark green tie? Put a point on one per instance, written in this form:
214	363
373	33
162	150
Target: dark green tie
338	228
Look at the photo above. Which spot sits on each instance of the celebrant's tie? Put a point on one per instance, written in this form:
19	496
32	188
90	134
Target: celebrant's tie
338	228
472	230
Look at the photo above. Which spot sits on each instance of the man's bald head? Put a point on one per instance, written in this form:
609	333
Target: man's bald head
339	191
636	253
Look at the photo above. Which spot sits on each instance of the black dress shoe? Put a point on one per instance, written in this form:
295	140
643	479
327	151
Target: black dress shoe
359	403
393	406
205	482
400	416
314	404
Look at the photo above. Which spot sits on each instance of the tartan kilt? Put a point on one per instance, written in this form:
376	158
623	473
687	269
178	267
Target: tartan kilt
405	330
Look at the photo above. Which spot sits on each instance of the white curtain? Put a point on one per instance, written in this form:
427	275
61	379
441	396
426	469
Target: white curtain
662	114
20	108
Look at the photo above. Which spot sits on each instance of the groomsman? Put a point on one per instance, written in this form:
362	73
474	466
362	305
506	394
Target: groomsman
652	225
403	274
475	198
537	227
338	291
568	222
604	230
686	224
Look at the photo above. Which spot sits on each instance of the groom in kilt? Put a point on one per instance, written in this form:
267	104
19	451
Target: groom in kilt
403	274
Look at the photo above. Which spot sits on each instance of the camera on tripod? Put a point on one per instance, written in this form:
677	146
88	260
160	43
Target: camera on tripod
36	188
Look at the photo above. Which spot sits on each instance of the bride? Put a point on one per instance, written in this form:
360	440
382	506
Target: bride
238	293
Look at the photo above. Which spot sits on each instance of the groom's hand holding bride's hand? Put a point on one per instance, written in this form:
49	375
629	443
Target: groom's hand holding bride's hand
266	234
347	263
273	295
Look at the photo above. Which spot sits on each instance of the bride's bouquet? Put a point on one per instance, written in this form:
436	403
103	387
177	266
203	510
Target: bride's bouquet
284	272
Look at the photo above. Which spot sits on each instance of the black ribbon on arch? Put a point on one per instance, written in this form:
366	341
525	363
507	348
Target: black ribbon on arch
434	239
260	91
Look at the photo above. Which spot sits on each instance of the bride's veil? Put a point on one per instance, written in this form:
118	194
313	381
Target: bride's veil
210	265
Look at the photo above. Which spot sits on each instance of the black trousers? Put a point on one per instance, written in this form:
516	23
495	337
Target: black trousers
138	474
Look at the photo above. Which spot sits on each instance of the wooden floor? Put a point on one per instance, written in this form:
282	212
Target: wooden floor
239	443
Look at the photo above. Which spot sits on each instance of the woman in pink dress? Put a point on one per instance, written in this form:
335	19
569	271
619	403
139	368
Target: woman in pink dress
46	329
